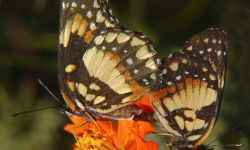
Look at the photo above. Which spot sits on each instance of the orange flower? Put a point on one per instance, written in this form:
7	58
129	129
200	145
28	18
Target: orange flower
103	134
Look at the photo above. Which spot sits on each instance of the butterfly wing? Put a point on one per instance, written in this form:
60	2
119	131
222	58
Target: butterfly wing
102	67
80	21
188	100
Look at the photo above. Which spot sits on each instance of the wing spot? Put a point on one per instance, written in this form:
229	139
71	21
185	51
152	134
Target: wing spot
94	87
209	50
178	77
137	42
151	64
136	71
190	114
169	83
204	69
82	89
89	97
108	24
82	28
206	40
218	53
214	41
83	6
153	76
99	17
201	52
110	37
76	23
143	53
212	77
63	5
67	31
70	68
74	4
92	26
174	66
99	39
129	61
88	37
190	48
121	38
164	71
103	47
194	137
89	14
184	61
96	5
99	99
199	124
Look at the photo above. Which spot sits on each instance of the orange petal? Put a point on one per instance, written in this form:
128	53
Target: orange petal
144	104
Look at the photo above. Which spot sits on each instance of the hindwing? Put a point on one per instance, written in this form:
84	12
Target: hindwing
188	99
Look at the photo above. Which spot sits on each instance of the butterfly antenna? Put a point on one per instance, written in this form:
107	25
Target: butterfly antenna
44	108
34	110
48	90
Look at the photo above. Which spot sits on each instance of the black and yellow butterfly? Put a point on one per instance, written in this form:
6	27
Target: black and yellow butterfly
188	99
102	66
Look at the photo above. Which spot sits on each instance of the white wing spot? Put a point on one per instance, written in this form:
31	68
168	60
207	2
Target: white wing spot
209	50
93	26
218	53
212	77
201	52
136	71
89	14
103	47
83	6
169	83
74	4
178	77
63	5
130	61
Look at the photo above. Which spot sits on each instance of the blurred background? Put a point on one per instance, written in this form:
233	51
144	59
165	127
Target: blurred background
28	51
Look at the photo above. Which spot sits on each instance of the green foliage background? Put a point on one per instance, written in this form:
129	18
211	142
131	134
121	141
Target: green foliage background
28	49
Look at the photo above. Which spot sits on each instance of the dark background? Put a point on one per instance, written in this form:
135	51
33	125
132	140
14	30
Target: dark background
28	51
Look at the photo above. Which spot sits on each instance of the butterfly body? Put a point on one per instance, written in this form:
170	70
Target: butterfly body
187	101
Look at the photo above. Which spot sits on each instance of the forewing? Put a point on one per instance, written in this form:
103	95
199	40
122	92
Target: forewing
80	22
187	102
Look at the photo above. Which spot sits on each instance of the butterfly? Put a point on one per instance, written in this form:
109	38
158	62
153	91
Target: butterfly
187	100
103	66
